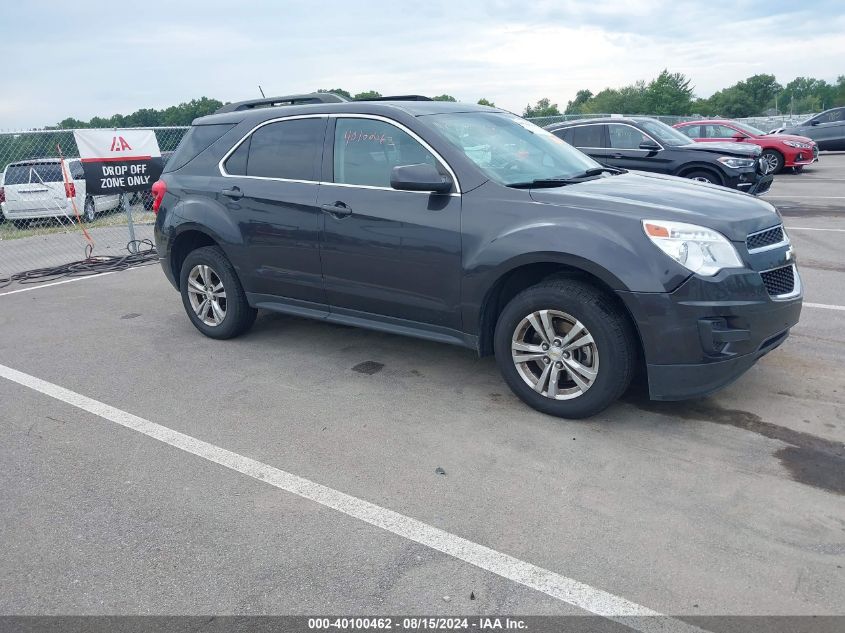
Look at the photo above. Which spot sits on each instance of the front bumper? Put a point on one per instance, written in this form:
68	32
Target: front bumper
708	332
754	183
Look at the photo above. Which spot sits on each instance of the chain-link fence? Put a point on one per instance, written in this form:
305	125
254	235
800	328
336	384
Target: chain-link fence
46	217
766	124
45	222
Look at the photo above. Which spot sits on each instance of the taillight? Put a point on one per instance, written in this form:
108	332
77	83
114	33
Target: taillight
2	194
159	189
70	190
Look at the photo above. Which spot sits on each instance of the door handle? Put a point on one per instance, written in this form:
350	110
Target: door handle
233	193
616	155
338	209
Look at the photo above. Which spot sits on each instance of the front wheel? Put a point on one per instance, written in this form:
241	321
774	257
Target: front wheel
702	175
772	162
565	348
213	296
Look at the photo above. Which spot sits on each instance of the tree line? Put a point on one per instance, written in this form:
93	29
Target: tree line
667	94
673	94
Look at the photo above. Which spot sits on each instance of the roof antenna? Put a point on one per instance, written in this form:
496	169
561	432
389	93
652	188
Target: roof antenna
261	91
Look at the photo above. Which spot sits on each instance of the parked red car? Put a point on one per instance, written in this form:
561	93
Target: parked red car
779	150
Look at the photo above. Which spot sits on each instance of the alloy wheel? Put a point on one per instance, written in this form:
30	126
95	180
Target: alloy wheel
555	354
770	163
207	295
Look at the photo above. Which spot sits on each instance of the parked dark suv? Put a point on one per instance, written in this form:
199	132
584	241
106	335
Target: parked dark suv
468	225
651	145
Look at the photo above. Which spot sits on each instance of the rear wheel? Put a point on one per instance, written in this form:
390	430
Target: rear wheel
565	348
702	175
772	162
213	296
89	214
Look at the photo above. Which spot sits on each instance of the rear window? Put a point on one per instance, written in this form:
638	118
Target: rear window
33	173
195	141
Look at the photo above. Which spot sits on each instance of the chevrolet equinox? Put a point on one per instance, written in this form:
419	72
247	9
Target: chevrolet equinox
468	225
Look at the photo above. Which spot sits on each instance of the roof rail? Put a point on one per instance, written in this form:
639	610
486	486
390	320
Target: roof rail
398	98
269	102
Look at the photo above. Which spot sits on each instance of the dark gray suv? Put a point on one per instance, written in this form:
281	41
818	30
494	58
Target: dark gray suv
469	225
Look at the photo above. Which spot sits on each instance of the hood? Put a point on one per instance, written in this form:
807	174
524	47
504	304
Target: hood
787	137
744	150
643	195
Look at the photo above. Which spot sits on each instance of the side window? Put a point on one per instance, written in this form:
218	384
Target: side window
76	171
832	116
588	136
718	131
285	149
565	134
366	150
625	137
693	131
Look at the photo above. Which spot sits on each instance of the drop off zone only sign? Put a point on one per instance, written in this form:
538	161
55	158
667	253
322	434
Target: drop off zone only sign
118	161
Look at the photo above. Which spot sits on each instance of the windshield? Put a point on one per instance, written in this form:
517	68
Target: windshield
510	150
663	133
749	129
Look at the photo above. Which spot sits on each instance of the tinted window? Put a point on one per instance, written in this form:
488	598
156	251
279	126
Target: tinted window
833	115
236	163
33	173
286	149
366	150
196	140
588	136
76	171
565	134
625	137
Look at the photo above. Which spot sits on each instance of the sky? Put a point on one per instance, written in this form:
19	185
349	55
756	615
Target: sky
92	58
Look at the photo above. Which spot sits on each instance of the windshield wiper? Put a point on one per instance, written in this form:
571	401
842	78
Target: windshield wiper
572	180
595	171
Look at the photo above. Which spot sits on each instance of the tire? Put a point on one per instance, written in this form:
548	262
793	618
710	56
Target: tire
798	169
772	162
21	225
209	267
702	175
611	353
89	213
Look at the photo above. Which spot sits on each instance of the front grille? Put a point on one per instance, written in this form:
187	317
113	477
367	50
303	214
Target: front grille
765	238
780	281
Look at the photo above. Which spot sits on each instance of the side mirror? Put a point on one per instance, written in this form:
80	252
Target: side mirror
650	146
421	177
738	137
815	122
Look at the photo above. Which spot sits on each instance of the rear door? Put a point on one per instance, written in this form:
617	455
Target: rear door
270	188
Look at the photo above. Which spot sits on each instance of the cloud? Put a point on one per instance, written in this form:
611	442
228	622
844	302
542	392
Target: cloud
93	59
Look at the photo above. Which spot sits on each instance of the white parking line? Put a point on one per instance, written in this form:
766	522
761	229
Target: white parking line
65	281
824	306
548	582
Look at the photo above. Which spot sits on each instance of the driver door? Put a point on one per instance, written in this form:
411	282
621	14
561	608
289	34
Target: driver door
393	256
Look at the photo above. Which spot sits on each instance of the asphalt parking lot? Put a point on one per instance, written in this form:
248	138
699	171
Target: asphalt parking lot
732	504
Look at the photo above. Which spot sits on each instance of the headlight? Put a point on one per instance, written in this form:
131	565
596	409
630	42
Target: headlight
697	248
797	144
736	163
